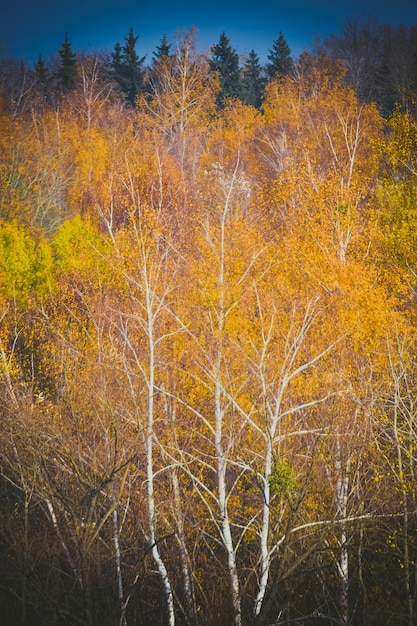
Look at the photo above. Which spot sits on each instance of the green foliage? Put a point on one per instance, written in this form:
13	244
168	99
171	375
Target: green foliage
398	190
43	267
283	480
25	265
79	247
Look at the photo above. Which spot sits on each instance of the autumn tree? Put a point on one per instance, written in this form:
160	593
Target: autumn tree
339	168
76	481
140	332
232	362
395	431
47	153
207	371
16	85
380	61
182	100
395	80
358	44
396	195
94	90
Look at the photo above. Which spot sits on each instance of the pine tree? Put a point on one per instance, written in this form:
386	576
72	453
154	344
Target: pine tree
128	67
161	61
252	82
67	71
163	51
41	77
40	71
225	61
117	62
280	58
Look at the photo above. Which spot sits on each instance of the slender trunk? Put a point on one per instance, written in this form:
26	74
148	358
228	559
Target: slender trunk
185	564
341	498
264	548
64	546
406	550
223	509
361	579
219	409
190	608
25	559
117	553
405	529
78	573
87	597
343	567
150	470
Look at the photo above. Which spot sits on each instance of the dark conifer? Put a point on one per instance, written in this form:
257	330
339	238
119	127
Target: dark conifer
163	51
162	60
252	82
128	67
40	71
41	78
67	71
225	61
117	62
280	58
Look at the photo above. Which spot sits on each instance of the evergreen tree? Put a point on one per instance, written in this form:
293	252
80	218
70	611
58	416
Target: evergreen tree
252	82
67	71
117	62
225	61
163	51
128	67
41	77
162	60
280	58
40	71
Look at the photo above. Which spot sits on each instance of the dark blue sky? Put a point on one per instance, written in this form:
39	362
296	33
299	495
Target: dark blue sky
30	27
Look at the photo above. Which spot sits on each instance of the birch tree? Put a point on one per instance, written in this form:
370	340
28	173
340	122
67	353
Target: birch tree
139	330
395	431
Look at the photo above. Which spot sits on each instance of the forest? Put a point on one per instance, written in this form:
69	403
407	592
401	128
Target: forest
208	347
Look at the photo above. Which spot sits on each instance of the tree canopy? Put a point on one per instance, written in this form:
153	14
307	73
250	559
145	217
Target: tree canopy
208	370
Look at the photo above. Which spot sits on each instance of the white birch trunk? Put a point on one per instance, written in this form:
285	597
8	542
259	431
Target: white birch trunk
265	556
273	408
119	577
341	501
149	461
185	563
223	509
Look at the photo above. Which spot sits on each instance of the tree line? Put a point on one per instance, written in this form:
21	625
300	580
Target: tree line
208	371
128	70
380	60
